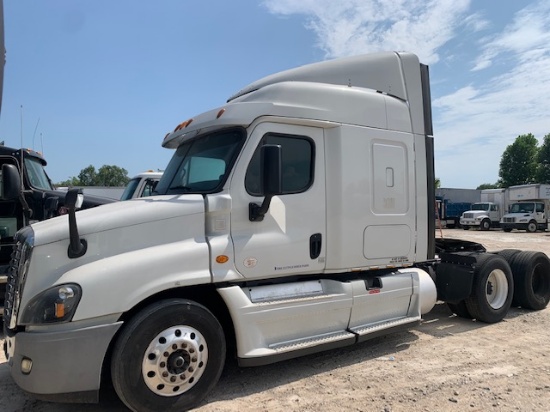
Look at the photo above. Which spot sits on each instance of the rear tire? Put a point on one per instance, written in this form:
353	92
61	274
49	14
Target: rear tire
460	309
492	290
168	357
508	254
466	227
507	230
531	279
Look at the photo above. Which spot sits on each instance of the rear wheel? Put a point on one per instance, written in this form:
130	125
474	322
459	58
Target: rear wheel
531	280
460	309
466	227
508	254
507	230
492	290
168	357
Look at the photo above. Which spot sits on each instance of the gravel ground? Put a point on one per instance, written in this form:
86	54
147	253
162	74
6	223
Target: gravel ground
444	364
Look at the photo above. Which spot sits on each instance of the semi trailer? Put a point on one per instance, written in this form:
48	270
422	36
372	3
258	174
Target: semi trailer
298	216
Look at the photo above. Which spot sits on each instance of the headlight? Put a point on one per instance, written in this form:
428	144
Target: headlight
54	305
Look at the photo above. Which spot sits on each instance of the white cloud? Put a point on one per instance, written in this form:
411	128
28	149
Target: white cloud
506	94
488	117
348	27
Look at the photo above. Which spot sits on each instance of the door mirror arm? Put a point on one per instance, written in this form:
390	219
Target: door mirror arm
271	178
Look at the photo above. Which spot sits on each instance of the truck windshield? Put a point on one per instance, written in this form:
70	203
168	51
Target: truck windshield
37	175
522	208
480	206
130	189
201	165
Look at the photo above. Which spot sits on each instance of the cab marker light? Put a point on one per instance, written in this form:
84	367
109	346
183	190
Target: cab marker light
222	259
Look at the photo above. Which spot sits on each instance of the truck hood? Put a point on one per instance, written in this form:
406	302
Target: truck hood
475	213
118	215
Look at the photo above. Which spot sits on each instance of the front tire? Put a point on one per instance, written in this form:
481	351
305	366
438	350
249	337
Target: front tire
532	226
168	357
485	224
492	290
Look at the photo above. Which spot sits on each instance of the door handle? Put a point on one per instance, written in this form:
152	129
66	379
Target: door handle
315	243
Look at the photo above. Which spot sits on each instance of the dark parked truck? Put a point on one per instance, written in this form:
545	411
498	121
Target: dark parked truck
297	217
27	197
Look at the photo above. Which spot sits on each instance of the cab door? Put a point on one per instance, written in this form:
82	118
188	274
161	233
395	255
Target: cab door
291	237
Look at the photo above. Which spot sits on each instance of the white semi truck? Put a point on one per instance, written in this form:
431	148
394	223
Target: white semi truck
297	217
141	185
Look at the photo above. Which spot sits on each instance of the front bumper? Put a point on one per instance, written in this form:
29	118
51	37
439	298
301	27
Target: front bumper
469	222
66	365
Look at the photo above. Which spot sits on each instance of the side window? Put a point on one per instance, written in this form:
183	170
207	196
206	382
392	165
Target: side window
297	167
149	187
540	208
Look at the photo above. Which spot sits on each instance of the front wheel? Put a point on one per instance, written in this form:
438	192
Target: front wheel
493	289
485	224
532	226
168	357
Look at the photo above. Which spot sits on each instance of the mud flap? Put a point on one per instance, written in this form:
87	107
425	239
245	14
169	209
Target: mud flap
455	277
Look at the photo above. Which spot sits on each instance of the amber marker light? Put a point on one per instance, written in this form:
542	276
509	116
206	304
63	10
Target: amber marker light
222	259
222	111
59	310
183	125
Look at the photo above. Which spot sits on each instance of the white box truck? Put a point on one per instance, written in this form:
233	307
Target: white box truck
487	213
529	208
297	217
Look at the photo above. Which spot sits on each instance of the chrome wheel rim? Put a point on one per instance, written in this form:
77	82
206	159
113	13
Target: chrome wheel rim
174	361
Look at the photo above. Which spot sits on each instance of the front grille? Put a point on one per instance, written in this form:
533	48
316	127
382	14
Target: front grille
468	215
20	257
508	219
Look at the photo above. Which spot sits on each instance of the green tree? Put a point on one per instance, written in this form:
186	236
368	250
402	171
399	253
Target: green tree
111	176
543	170
518	164
88	176
437	182
107	175
73	181
487	186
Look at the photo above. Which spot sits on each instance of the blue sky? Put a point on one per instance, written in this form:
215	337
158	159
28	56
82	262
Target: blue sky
101	82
